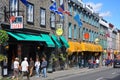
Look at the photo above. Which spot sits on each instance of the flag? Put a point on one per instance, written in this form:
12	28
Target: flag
54	9
77	19
61	9
68	13
24	2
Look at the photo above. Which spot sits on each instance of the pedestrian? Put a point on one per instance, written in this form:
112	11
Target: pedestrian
37	67
89	63
103	62
43	67
24	66
94	64
82	62
31	67
79	61
97	63
16	68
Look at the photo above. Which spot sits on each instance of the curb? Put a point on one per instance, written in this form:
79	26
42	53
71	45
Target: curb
81	72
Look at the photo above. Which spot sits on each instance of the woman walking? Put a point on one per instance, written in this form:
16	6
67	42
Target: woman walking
31	67
37	67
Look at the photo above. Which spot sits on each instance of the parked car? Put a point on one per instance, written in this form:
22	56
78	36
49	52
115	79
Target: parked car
116	63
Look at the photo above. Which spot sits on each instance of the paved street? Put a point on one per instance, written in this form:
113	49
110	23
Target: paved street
77	74
108	74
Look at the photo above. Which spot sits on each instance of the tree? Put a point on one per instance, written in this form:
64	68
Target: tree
3	37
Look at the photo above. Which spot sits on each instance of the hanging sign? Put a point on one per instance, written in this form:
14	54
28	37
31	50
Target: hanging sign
59	31
86	35
97	40
16	22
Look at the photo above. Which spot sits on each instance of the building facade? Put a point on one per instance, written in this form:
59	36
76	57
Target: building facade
103	41
37	29
35	34
85	35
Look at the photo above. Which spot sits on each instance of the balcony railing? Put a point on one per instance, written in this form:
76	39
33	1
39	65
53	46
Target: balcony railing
8	14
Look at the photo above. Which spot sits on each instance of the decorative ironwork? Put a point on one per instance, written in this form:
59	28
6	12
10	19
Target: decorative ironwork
8	14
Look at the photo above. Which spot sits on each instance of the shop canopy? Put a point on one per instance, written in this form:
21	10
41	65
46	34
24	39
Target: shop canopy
57	42
65	42
83	46
32	37
48	40
74	47
91	47
25	37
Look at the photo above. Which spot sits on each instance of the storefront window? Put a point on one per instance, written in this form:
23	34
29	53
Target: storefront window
42	17
30	12
14	7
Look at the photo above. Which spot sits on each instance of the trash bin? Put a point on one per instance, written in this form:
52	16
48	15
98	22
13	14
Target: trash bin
4	69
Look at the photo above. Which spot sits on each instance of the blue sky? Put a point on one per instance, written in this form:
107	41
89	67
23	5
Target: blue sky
109	9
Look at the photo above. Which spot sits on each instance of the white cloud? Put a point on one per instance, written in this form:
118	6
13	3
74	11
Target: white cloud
105	14
97	8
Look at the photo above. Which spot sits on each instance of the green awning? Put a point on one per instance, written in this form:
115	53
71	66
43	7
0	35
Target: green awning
55	39
25	37
65	42
48	40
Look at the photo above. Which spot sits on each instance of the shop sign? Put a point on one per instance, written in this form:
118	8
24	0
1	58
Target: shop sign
16	22
59	31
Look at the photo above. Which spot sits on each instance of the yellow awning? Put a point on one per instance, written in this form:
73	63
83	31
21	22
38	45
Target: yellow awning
83	46
78	47
90	47
74	47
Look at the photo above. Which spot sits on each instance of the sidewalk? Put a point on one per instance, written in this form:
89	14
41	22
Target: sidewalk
72	71
64	73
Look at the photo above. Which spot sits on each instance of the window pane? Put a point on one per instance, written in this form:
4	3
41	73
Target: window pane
42	17
70	31
14	7
52	20
30	13
75	32
61	2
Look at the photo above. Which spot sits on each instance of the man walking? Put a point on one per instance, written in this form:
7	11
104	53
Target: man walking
24	66
43	66
16	68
